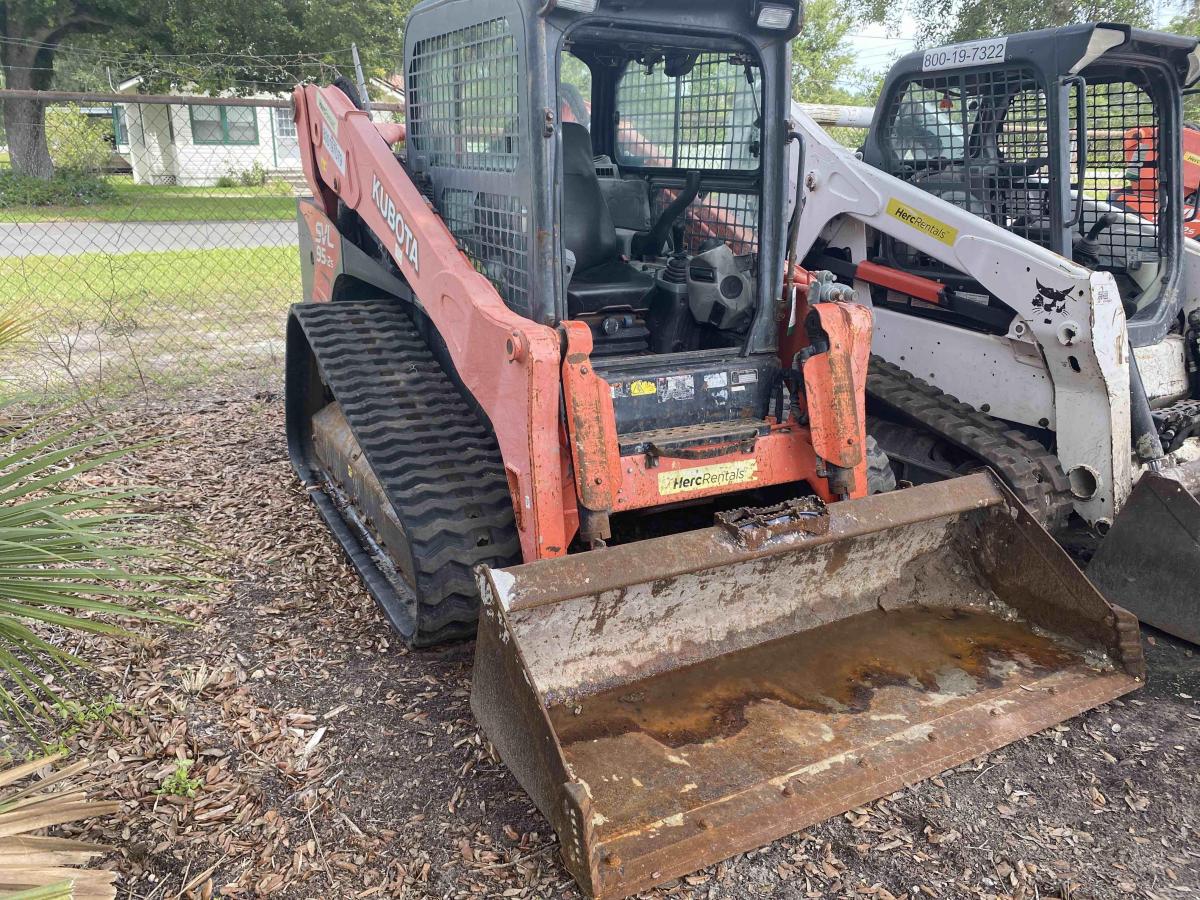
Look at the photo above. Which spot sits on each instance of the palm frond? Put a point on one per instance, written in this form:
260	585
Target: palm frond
12	330
39	867
73	558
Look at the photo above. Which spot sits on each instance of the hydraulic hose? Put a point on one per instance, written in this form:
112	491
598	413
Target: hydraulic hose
1146	442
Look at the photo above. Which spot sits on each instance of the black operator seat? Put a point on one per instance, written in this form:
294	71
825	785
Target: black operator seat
602	278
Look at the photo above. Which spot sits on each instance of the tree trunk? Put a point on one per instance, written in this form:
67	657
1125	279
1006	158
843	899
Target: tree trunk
25	120
25	125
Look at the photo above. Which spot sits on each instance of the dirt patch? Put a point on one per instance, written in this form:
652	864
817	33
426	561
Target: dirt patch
333	763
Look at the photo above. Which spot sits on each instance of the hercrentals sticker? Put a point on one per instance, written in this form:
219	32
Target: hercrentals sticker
922	222
705	478
406	242
1191	158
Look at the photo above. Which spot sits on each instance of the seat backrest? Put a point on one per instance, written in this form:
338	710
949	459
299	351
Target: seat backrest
587	226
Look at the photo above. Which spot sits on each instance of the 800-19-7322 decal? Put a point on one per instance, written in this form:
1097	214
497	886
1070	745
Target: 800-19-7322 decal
969	53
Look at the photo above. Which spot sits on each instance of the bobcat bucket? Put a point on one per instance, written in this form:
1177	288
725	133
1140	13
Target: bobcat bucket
1150	561
672	702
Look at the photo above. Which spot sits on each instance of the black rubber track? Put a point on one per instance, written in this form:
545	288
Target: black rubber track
438	463
1031	471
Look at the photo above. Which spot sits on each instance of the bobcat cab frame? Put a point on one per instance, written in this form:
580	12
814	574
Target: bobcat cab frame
527	341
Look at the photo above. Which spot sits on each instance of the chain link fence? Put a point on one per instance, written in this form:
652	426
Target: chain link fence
162	250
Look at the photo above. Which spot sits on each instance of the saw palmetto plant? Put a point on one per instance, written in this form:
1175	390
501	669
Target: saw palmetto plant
35	866
68	543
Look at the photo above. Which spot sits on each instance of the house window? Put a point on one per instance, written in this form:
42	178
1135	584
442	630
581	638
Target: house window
224	124
120	125
285	125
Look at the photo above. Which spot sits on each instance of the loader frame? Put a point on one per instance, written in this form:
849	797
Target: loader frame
1067	372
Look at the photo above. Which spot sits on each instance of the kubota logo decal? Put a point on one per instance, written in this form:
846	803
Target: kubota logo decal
705	478
922	222
406	248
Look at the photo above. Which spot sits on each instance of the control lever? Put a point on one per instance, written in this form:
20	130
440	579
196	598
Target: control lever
651	243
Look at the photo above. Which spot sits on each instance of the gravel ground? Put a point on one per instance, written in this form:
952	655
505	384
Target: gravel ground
333	763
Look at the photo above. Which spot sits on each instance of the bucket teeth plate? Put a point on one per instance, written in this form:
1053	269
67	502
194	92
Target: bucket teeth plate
670	703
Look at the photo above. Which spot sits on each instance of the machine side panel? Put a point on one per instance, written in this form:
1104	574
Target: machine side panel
508	363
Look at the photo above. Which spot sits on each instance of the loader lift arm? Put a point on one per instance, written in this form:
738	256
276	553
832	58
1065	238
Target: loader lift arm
508	363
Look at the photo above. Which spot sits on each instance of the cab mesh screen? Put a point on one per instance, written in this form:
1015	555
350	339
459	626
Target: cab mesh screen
705	119
464	111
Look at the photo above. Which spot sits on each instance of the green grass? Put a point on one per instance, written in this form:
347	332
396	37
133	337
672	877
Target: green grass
105	324
161	203
162	285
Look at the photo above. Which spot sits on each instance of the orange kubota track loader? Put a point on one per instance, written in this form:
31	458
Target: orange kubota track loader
562	381
1139	194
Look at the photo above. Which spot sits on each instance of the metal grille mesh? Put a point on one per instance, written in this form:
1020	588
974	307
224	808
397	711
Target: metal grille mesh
731	217
933	129
493	231
938	130
464	111
704	119
1121	168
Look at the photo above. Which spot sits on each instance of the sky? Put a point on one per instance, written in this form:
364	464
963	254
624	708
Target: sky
876	46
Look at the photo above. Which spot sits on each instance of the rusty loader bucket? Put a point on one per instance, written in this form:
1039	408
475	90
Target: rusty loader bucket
672	702
1150	562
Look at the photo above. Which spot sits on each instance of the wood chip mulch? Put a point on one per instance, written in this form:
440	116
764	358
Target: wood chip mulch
333	763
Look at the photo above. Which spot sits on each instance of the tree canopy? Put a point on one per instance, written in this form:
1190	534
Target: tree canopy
210	45
946	21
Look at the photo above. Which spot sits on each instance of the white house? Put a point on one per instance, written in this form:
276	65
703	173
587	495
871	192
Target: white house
196	145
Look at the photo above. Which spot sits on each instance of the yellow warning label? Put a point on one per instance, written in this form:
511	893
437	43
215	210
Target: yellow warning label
642	389
705	478
926	224
1193	158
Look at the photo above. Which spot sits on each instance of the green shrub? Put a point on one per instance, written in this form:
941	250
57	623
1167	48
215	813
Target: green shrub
77	141
68	187
255	176
179	783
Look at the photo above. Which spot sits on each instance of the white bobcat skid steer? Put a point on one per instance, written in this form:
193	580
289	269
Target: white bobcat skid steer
1024	317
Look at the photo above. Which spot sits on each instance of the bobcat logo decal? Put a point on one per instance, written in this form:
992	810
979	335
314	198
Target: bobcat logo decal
1051	301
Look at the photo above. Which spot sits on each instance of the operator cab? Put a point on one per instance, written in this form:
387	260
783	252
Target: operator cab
1036	132
660	204
624	165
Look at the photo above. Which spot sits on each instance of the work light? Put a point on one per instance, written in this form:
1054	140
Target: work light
774	17
579	6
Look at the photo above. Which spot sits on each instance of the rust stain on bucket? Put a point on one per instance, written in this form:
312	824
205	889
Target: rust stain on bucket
843	666
688	736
